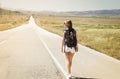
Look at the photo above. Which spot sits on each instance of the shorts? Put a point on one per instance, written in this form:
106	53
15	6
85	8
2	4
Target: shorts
69	49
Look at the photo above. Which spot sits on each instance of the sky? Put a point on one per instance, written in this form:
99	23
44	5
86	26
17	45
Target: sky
60	5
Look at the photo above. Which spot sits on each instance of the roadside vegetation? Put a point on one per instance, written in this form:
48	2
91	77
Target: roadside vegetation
101	34
11	19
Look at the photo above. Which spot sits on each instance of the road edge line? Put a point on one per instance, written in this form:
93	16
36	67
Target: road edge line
52	56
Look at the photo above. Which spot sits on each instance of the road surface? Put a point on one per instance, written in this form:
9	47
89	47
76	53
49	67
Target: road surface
29	52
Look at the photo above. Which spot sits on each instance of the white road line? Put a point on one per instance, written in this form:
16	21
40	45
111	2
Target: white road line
3	42
54	59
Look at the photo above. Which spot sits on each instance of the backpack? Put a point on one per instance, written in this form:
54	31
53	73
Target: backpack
70	38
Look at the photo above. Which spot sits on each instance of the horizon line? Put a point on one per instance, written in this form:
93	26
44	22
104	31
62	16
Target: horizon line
55	11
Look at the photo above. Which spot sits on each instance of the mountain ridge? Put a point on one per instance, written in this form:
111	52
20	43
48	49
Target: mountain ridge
90	13
96	12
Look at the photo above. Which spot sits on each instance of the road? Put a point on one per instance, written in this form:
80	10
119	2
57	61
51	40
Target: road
30	52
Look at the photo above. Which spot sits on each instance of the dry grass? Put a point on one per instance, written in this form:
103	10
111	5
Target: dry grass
12	21
101	34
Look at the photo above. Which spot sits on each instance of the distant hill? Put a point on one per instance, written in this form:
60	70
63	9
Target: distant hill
114	12
95	13
5	11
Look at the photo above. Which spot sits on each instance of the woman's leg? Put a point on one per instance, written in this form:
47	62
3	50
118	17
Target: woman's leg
69	57
68	62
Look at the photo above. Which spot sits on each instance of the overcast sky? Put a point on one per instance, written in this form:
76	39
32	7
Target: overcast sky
60	5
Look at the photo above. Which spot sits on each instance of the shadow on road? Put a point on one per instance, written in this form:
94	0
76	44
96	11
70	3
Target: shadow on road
73	77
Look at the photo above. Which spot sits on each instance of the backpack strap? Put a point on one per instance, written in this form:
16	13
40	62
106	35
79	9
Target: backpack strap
67	31
73	31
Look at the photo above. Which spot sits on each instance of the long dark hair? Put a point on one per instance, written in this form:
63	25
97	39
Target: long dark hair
68	24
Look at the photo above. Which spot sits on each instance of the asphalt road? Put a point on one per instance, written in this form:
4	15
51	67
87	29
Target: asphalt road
23	56
30	52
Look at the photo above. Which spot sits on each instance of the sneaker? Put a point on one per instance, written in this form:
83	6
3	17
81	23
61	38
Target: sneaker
69	76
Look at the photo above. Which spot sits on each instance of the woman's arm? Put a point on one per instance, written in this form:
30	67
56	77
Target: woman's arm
62	46
76	48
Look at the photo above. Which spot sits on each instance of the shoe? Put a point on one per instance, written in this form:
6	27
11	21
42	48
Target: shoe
69	76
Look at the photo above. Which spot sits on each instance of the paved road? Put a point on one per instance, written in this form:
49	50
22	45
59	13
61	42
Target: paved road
23	56
87	63
25	53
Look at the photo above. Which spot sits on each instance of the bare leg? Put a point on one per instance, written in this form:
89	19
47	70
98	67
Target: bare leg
69	57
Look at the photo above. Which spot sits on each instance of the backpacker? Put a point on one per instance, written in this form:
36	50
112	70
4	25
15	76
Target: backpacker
70	38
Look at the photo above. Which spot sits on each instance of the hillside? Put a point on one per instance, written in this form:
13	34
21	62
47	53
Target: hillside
114	12
11	19
95	13
8	12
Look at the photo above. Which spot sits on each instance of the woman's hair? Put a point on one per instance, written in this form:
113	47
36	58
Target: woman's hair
68	23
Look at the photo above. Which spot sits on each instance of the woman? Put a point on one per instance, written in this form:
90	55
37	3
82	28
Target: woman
69	44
